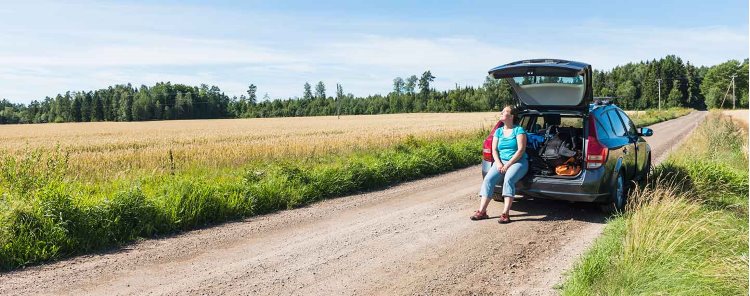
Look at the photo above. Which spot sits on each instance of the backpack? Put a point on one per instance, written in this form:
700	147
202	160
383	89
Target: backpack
558	146
537	165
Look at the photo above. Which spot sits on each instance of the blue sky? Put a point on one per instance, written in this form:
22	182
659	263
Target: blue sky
51	47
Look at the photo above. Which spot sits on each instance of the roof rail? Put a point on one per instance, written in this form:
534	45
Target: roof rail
604	100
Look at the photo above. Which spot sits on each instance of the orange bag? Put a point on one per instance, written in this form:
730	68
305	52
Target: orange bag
568	168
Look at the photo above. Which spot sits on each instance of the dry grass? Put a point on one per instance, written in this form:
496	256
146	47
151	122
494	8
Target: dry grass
119	149
739	116
686	232
106	150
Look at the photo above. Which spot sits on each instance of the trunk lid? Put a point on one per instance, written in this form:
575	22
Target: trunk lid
548	84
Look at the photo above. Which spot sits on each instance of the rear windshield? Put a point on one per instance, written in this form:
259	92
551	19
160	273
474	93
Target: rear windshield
549	90
540	123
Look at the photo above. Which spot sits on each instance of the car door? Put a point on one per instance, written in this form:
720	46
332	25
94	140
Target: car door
623	143
639	144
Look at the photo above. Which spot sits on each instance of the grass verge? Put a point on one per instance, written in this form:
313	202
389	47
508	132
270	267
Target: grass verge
652	116
686	232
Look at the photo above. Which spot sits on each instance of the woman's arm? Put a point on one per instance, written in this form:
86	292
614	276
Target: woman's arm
495	155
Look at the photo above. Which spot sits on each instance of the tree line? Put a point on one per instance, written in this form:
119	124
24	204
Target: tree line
638	85
635	86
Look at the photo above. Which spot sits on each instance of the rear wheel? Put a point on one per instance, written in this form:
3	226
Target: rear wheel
619	196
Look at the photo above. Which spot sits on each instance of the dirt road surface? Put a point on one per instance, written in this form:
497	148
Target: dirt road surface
414	238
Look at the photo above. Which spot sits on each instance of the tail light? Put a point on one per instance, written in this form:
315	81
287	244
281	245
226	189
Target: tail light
596	153
487	147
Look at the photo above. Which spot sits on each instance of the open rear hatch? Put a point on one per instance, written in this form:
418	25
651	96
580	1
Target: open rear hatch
548	84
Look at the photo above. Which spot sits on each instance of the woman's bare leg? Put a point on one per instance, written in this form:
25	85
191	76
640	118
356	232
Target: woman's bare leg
483	203
506	205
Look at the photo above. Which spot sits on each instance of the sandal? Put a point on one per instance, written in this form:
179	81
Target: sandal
504	218
479	215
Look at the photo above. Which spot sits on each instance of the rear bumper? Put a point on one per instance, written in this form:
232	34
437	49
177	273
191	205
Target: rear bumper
589	186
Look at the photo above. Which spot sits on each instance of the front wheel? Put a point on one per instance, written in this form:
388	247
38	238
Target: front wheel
619	196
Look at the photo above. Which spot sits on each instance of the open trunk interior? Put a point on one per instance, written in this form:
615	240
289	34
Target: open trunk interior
555	146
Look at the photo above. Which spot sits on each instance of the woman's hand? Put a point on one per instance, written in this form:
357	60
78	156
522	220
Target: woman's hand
505	168
499	166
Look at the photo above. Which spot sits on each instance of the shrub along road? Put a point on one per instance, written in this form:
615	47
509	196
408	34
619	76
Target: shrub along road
413	238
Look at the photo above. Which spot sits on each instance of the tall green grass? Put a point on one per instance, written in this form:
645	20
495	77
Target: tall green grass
686	231
652	116
43	217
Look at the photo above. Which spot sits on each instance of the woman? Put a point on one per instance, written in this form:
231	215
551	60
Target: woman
510	164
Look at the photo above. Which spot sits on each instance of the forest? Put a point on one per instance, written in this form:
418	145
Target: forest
634	86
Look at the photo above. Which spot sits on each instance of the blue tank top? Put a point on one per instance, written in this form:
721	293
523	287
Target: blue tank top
507	146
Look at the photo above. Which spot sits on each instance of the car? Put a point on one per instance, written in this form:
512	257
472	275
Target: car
555	99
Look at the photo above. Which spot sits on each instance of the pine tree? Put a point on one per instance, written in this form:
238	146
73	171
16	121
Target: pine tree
398	85
307	95
675	95
320	90
251	96
411	84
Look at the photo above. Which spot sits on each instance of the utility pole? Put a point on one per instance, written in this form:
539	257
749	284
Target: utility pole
734	98
659	81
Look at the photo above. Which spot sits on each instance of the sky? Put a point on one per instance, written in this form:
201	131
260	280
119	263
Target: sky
49	47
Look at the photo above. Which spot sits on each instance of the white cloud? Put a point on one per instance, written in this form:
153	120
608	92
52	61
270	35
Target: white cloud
84	56
148	50
610	46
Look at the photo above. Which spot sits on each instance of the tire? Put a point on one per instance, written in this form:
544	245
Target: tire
619	196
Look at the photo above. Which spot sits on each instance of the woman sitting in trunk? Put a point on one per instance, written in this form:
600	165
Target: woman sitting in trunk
510	164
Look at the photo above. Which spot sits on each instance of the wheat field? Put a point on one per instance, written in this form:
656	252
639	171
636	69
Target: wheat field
120	149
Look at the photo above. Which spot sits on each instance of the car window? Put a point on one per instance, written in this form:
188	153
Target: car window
576	122
602	132
617	128
607	124
524	122
538	125
629	126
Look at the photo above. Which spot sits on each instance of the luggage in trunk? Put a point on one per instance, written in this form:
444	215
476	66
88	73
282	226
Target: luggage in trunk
559	145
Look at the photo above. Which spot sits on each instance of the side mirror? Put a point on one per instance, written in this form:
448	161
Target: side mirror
646	132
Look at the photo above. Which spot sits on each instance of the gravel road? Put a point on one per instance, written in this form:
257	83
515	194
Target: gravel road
413	238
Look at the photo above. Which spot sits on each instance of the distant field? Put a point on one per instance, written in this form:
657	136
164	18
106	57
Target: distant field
739	116
116	149
104	150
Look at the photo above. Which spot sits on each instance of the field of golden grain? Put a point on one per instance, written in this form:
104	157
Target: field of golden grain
739	116
75	188
120	149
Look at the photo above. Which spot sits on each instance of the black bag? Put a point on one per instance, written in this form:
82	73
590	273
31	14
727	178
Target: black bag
558	146
537	165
